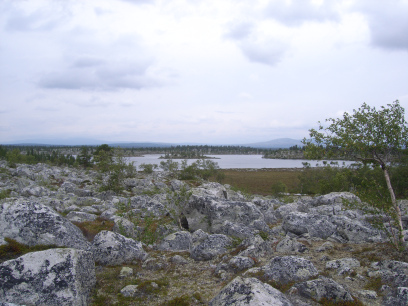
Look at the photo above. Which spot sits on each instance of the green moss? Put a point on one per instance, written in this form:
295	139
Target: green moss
178	301
374	283
14	249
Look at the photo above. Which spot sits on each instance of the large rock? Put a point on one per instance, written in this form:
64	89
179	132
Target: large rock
322	288
112	249
210	214
249	291
355	231
289	269
212	246
176	242
51	277
211	189
315	225
146	206
33	223
290	245
398	297
343	265
391	272
335	198
78	216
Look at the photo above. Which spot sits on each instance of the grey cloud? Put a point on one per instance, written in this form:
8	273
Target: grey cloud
296	12
265	50
39	20
239	30
388	22
87	62
265	54
105	76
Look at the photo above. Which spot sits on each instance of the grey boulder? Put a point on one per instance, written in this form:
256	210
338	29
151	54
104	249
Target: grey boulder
287	269
34	223
249	291
315	225
111	249
322	288
51	277
176	242
212	246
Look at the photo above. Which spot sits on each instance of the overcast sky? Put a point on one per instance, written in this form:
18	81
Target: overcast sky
201	71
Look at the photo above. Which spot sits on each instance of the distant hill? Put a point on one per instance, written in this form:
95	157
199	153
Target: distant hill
272	144
281	143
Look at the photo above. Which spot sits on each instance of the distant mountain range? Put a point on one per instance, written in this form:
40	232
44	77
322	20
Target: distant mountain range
272	144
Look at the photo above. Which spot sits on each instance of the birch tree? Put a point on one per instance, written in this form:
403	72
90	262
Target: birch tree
369	135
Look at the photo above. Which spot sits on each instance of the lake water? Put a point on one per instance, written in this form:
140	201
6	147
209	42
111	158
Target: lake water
237	161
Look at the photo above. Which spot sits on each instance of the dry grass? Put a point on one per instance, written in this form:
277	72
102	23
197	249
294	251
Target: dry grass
91	228
261	181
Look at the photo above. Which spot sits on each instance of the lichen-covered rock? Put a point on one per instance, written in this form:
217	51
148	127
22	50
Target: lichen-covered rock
398	297
212	246
249	291
176	242
334	198
237	230
129	291
391	272
199	236
343	265
51	277
211	189
315	225
78	216
289	245
146	206
240	263
34	223
356	231
36	191
125	227
287	269
321	288
111	249
210	214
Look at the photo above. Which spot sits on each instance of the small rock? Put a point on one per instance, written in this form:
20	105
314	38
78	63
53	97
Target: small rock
129	291
125	272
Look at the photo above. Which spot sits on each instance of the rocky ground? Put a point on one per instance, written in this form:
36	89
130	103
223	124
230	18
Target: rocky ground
99	248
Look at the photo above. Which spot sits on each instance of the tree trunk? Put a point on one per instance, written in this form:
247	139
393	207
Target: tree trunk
394	205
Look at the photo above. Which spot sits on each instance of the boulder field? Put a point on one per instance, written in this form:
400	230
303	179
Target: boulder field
215	246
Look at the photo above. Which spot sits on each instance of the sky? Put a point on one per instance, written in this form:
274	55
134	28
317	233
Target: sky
195	71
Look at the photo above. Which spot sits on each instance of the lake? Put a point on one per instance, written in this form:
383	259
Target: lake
237	161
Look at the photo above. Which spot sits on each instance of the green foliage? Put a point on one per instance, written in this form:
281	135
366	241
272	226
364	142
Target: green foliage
4	194
170	166
177	200
179	301
264	235
84	158
103	157
369	135
278	188
201	169
117	167
149	235
148	168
